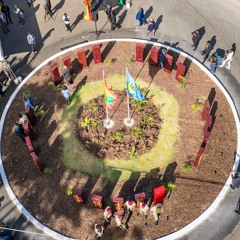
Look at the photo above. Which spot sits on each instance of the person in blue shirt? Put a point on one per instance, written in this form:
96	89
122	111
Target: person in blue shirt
162	57
27	103
66	93
5	234
151	26
140	16
19	131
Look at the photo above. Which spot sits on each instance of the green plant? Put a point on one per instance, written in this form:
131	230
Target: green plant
186	167
117	136
92	107
56	88
86	122
182	82
139	105
133	152
170	186
40	113
130	60
48	170
69	190
109	62
197	105
137	131
94	126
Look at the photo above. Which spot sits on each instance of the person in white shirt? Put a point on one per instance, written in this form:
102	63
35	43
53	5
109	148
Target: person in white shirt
107	214
143	209
66	93
31	42
66	20
228	59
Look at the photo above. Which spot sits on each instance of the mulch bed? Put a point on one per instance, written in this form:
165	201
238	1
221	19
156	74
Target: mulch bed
44	195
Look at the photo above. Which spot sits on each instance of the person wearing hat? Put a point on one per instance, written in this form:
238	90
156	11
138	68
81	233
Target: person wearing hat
119	223
98	230
143	209
107	214
156	210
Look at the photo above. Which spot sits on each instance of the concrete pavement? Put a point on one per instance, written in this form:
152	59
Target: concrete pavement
175	21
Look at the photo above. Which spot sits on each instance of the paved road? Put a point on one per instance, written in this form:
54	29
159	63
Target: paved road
175	21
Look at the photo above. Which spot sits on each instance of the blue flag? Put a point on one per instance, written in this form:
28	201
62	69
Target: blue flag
133	89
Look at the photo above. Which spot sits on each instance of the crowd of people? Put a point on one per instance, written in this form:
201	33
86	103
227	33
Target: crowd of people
129	207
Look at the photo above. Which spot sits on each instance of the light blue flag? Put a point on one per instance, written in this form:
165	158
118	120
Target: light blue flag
133	89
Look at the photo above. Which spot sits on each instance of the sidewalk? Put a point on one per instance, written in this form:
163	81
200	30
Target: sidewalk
178	21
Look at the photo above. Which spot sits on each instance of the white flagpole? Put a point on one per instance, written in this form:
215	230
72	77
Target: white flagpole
128	102
107	120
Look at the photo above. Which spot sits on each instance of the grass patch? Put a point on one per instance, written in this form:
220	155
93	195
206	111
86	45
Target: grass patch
78	158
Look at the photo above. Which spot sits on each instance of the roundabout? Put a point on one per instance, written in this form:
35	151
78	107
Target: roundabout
181	129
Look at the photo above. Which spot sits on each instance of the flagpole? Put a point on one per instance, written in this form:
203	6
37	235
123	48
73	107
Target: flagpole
128	121
107	123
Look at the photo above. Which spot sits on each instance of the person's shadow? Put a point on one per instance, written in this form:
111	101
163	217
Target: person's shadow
234	48
148	13
77	20
158	22
121	18
213	41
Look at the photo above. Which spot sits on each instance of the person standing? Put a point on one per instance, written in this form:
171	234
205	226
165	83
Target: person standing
19	131
23	118
7	12
151	26
143	209
29	3
206	51
213	66
162	57
20	14
195	39
112	21
31	42
119	223
108	10
4	66
156	210
235	182
67	74
228	59
66	93
140	16
66	20
98	230
2	93
27	103
129	207
107	214
3	22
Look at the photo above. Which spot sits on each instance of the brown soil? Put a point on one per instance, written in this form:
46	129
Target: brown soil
44	194
119	141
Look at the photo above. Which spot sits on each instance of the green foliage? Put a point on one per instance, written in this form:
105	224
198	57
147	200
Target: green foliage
182	82
86	123
26	94
109	62
137	131
197	106
40	113
56	88
129	60
133	152
92	107
139	105
117	136
94	126
69	190
186	167
48	170
170	186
